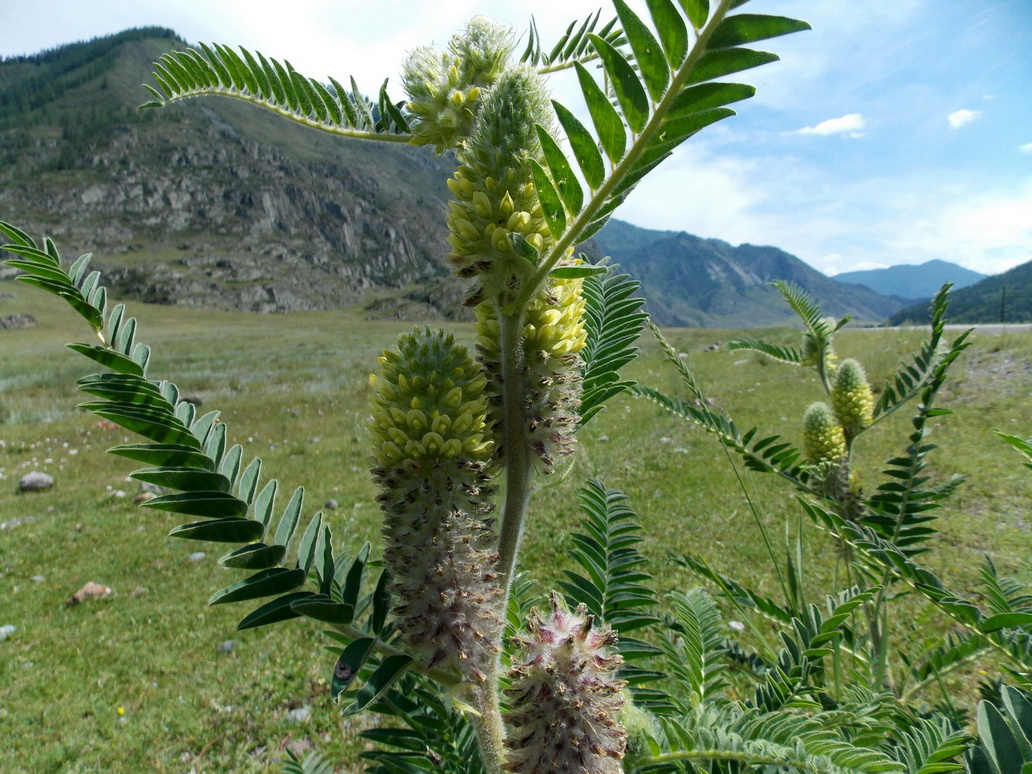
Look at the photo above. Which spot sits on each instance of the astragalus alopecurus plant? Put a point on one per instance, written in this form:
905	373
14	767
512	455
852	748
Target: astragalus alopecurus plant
443	638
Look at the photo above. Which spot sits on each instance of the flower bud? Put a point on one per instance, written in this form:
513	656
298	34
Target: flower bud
564	697
851	397
445	89
823	439
495	199
433	450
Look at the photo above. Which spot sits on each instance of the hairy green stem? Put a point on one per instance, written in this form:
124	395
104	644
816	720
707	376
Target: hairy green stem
516	453
489	726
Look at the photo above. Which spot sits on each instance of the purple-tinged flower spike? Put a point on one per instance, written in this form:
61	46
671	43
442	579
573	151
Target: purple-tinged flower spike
565	698
553	337
433	462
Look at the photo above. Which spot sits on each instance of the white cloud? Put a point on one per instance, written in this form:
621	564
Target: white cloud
851	124
1026	148
959	118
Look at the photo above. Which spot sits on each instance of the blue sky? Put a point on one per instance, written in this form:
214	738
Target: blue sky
897	131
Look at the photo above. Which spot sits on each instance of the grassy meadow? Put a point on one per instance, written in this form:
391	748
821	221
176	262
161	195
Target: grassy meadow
136	681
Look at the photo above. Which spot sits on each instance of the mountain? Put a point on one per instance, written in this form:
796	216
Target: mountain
706	282
1003	297
213	202
912	282
219	204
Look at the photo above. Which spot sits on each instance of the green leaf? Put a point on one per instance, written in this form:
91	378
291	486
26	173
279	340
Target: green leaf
273	612
349	664
231	530
697	12
706	96
716	64
291	515
998	739
214	505
322	608
39	269
566	182
523	248
265	502
256	556
149	425
583	145
749	28
306	552
390	669
164	454
265	583
629	92
647	51
608	125
1006	621
577	272
381	603
15	234
551	205
184	479
352	585
673	32
108	358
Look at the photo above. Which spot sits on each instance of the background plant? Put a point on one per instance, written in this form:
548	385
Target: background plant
552	336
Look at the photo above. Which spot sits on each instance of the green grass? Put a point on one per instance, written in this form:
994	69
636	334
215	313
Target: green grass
292	389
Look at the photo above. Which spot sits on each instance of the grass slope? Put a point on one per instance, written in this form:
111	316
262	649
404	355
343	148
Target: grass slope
135	683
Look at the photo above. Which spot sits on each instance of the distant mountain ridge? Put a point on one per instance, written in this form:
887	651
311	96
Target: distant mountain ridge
690	281
913	281
1001	298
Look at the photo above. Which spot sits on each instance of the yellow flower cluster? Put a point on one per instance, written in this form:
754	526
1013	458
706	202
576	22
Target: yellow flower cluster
428	401
823	439
851	397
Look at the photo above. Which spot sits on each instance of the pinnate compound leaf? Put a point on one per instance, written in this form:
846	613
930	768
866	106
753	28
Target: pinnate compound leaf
275	611
390	669
322	608
291	516
264	583
716	64
566	182
577	272
215	505
647	51
164	454
349	664
697	12
551	204
256	556
673	33
583	146
184	479
748	28
231	530
607	121
629	92
108	358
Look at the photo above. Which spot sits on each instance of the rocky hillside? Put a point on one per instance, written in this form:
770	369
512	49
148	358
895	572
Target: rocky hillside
694	281
213	202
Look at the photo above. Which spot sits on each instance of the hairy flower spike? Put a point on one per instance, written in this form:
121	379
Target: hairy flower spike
565	698
851	397
433	451
446	89
553	336
823	439
495	197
